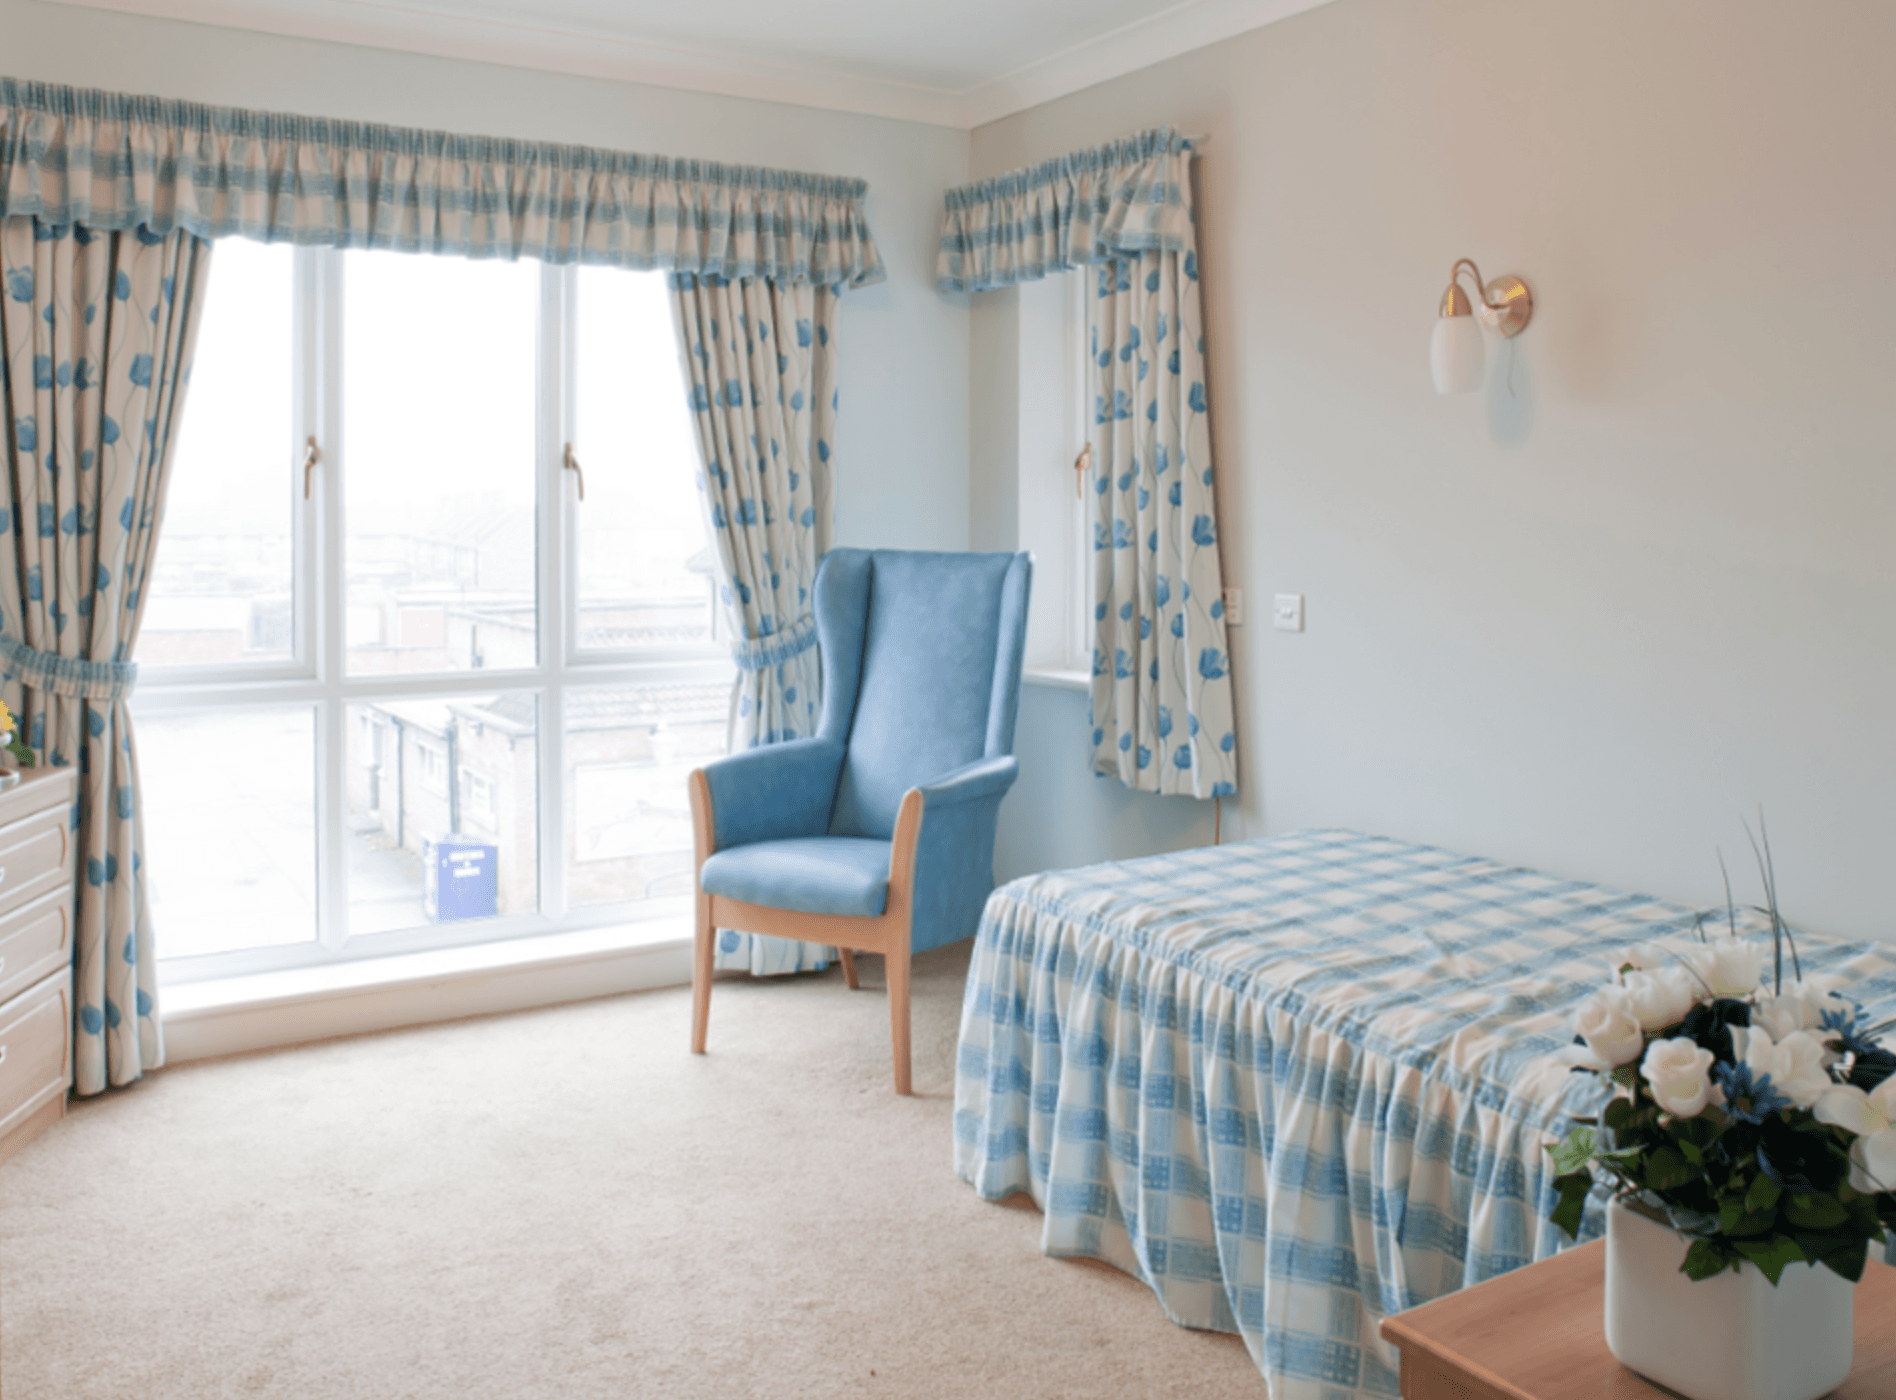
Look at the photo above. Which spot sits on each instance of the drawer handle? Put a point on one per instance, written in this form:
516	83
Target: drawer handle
3	1054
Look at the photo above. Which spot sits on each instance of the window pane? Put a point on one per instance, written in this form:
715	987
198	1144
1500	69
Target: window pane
646	571
221	587
444	810
229	828
629	749
438	414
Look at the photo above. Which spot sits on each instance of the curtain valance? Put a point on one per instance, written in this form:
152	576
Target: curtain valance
1126	197
112	161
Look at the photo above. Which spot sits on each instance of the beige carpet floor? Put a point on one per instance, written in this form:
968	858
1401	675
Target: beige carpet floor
563	1203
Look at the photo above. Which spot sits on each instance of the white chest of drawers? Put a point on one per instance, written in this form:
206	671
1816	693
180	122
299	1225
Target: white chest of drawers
38	857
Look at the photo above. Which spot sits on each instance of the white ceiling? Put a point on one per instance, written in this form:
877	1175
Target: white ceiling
957	63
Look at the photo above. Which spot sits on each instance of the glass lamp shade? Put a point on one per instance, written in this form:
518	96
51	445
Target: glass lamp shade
1456	356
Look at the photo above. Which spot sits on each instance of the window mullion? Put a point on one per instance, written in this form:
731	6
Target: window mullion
325	389
553	404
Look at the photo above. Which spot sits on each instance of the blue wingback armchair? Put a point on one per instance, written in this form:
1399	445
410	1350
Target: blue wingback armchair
877	834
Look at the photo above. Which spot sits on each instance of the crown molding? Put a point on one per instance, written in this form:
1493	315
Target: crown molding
522	44
1193	24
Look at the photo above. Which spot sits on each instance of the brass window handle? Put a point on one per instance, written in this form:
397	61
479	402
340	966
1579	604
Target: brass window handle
310	458
1082	464
572	465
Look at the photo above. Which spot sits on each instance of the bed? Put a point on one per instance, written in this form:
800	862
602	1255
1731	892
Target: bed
1296	1084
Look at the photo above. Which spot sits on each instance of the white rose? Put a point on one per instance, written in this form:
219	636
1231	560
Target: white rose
1729	967
1679	1074
1661	998
1796	1063
1800	1009
1872	1117
1609	1025
1645	956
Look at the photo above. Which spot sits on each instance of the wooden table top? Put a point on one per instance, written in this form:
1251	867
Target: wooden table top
1538	1334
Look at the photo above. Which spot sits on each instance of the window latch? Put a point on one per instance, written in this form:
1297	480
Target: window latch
310	458
572	465
1082	464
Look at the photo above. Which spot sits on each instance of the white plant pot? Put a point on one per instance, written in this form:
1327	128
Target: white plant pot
1733	1337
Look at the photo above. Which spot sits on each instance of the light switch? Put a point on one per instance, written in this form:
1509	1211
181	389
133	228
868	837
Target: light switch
1287	612
1234	607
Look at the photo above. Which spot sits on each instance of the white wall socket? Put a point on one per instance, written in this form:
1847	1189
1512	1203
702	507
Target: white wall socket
1287	612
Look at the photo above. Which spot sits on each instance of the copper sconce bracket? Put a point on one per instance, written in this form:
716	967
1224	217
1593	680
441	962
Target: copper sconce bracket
1505	307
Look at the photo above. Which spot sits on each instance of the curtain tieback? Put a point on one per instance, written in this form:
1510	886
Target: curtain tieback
761	653
68	675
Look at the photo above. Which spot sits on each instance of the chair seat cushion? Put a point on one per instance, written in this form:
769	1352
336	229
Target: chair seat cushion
811	874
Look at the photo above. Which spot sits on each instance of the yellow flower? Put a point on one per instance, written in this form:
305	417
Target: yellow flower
7	723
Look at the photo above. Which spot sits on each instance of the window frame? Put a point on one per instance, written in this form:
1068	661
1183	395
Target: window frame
317	674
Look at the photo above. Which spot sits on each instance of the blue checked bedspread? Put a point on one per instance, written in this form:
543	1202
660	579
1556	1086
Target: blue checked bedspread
1297	1084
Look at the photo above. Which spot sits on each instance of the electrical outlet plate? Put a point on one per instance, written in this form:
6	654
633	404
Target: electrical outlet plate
1287	612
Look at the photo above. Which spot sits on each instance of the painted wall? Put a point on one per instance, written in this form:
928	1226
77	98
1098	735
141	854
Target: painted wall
902	474
1644	583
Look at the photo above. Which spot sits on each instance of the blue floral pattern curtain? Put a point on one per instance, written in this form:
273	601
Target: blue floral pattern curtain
1162	701
112	161
760	363
97	330
1163	708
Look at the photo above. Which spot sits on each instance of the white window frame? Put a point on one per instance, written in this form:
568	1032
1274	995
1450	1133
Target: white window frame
317	673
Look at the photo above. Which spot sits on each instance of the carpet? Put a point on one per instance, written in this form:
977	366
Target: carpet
563	1203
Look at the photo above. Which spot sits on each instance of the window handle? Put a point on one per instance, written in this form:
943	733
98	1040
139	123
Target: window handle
572	465
1082	464
310	458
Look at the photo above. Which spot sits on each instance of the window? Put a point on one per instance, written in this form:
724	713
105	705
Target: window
1055	515
418	693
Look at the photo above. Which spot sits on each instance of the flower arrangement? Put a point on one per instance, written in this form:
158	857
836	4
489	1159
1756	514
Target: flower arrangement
13	754
1759	1124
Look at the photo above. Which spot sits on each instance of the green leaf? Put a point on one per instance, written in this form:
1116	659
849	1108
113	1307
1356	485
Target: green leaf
1693	1152
21	752
1625	1115
1573	1189
1843	1257
1666	1169
1771	1254
1763	1195
1707	1259
1573	1153
1735	1220
1815	1212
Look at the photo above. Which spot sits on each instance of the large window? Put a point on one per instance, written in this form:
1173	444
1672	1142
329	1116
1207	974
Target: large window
400	685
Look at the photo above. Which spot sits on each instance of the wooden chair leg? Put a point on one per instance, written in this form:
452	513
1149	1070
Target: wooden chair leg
701	976
849	969
898	965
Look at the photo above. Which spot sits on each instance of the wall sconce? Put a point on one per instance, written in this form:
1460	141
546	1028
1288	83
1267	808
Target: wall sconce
1456	354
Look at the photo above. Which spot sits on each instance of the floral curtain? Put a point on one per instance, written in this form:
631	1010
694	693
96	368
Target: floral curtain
1162	702
112	161
97	329
1127	197
760	362
1163	709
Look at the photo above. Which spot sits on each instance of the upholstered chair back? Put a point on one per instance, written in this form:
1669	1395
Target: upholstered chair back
922	658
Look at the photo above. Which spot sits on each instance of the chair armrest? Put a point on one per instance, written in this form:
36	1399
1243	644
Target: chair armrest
985	777
773	792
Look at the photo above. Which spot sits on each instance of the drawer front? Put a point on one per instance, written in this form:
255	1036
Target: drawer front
35	1053
35	941
35	856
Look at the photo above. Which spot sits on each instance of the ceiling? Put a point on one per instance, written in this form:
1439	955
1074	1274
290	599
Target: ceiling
958	64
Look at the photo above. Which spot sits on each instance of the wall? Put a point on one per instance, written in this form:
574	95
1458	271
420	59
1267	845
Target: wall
1643	584
902	474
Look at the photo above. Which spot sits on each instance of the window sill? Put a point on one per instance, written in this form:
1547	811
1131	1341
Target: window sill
230	1015
1055	679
